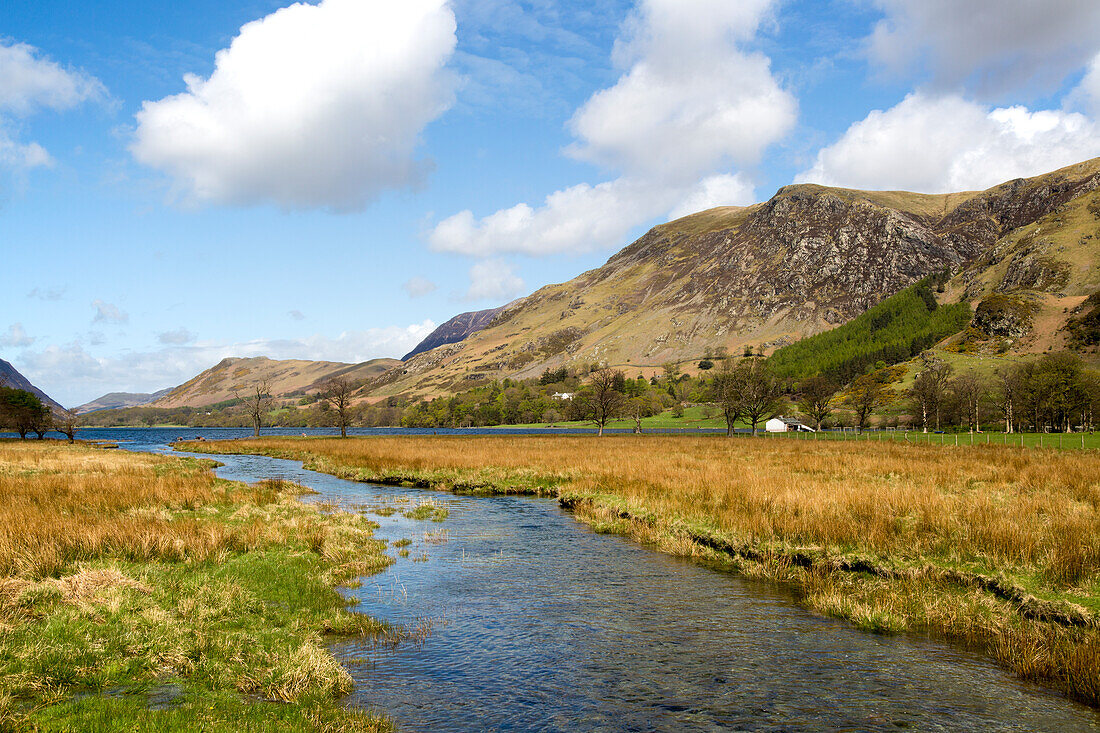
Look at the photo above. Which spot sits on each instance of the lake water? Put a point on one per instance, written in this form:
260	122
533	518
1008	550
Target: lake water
537	623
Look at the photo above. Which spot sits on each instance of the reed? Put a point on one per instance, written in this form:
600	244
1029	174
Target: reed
121	573
990	545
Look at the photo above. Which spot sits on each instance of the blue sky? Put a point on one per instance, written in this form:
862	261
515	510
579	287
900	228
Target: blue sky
180	182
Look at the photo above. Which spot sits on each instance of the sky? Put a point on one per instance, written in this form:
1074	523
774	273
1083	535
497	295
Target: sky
183	182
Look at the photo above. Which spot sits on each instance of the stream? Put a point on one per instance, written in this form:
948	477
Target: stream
533	622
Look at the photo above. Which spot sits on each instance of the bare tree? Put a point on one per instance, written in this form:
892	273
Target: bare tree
929	389
338	393
727	393
865	395
257	401
66	421
817	399
969	390
599	401
635	407
760	392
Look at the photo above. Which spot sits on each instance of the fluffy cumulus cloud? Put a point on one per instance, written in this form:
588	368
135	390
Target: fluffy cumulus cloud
936	144
73	375
689	104
16	337
987	46
1087	93
493	279
690	100
418	287
30	82
313	106
719	190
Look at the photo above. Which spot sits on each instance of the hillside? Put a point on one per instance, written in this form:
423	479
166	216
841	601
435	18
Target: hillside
284	378
10	377
120	400
455	330
807	260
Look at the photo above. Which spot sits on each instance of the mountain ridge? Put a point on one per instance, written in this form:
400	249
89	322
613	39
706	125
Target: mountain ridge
808	259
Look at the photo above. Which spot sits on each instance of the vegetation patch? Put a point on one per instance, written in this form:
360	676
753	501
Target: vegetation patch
895	330
141	592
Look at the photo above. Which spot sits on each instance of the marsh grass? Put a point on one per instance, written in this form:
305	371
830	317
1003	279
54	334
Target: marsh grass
125	572
893	536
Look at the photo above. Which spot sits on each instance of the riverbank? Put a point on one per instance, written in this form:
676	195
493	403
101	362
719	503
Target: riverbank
994	547
141	592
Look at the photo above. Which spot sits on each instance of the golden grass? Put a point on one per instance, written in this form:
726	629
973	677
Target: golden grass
63	507
1003	509
943	532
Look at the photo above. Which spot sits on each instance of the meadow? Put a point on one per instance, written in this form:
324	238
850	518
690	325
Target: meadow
141	592
997	547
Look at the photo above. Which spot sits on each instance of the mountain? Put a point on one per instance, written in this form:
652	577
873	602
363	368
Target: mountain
284	379
767	275
10	377
455	330
119	400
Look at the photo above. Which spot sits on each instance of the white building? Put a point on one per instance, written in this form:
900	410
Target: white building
786	425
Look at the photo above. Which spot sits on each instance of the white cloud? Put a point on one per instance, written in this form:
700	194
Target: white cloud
178	337
297	315
29	82
108	313
418	287
74	376
313	106
1087	93
16	337
987	46
720	190
577	219
691	101
493	280
937	144
689	104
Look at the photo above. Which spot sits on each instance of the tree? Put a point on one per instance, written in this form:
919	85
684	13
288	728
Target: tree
66	421
816	400
754	392
727	393
257	401
598	401
969	391
867	394
338	392
23	412
929	389
1006	395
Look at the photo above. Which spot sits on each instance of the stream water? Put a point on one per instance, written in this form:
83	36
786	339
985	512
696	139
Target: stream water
538	623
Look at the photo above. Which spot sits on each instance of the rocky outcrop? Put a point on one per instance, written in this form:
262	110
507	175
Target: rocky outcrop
1004	316
455	330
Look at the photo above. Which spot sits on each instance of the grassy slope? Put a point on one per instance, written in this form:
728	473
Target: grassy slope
146	594
217	384
979	545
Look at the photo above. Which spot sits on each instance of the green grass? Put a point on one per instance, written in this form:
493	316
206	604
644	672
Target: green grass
694	418
1055	441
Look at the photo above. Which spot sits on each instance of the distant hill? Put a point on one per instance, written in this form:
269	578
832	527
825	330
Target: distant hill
285	378
806	261
116	400
10	377
456	330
